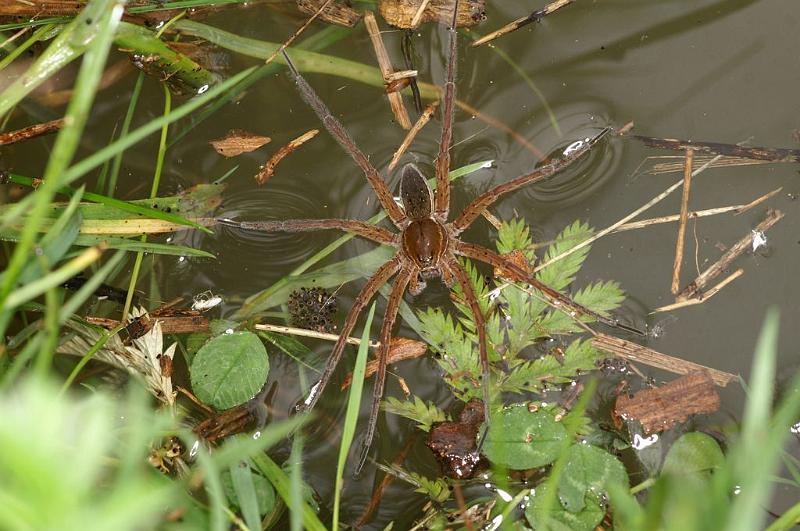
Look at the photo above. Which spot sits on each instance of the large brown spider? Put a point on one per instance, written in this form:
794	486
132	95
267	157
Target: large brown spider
427	243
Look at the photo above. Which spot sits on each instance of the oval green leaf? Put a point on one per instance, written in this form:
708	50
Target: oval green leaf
693	453
520	439
229	370
557	517
588	472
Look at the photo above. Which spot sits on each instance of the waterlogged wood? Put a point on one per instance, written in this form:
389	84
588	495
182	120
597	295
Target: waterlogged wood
455	443
695	288
662	408
336	13
173	321
238	141
404	13
31	132
727	150
635	352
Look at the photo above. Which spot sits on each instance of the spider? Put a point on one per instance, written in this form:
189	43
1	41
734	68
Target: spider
427	244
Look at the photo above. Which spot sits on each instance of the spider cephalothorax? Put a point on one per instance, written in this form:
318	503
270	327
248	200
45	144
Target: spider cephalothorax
427	244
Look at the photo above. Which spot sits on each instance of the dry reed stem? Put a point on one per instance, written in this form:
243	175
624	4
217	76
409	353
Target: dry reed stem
400	75
684	216
299	31
623	221
726	150
700	300
536	16
412	133
395	99
736	209
418	15
291	330
674	167
638	353
695	288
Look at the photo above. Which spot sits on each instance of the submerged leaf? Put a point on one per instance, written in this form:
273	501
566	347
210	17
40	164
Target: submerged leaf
521	439
229	370
693	453
587	473
558	518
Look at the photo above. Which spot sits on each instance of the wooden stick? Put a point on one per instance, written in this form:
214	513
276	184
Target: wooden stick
395	99
412	133
297	33
291	330
705	296
31	132
724	162
536	16
418	15
727	150
695	288
612	228
687	183
635	352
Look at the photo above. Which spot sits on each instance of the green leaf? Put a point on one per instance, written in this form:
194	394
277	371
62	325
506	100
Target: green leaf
520	439
561	274
262	491
587	473
282	484
229	370
558	518
351	414
417	410
693	453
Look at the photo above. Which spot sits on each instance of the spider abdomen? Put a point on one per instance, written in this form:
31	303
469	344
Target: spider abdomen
424	242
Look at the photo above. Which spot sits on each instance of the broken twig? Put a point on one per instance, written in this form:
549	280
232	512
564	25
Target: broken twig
726	150
635	352
706	295
687	183
31	132
695	288
412	133
395	98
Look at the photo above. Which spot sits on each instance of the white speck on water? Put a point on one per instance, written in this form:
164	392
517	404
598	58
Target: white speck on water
759	239
640	443
229	331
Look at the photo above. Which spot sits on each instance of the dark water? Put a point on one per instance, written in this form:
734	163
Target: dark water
725	71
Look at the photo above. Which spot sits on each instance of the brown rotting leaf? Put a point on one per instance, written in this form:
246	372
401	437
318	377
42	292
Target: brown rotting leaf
238	141
336	13
661	408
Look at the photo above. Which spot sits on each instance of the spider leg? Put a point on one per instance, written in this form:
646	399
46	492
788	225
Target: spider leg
480	325
359	228
337	131
442	200
367	292
395	297
486	199
555	298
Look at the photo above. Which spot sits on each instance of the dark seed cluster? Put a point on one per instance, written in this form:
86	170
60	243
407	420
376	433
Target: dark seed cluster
313	308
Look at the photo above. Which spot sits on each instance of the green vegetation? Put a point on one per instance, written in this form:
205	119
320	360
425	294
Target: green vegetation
120	447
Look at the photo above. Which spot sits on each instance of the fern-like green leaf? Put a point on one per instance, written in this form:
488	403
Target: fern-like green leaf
436	489
601	297
561	274
515	236
423	414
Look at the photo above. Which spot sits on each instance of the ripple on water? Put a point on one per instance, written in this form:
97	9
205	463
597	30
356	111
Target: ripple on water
577	121
269	250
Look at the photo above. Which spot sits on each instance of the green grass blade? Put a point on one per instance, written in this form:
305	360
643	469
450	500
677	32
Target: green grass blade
33	289
282	484
126	126
245	489
296	483
351	416
99	157
100	18
41	33
98	277
306	61
125	206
